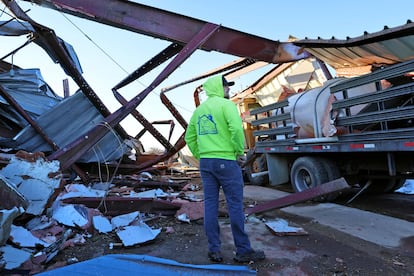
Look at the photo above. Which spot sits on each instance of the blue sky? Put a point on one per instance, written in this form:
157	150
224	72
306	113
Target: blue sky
108	54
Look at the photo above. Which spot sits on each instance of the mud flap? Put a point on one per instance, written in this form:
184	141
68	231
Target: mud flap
278	169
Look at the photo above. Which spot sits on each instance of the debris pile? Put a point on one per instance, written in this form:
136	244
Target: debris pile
43	214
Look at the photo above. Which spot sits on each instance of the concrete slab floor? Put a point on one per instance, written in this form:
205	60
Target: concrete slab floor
376	228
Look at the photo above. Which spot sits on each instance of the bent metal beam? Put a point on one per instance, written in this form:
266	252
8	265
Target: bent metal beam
177	28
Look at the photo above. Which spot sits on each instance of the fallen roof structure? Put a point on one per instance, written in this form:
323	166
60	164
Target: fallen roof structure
198	34
79	129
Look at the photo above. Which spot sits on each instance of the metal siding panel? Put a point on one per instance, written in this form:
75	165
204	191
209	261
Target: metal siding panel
66	122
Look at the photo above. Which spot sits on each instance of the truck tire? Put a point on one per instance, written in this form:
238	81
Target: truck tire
308	172
384	185
331	168
333	173
398	184
259	164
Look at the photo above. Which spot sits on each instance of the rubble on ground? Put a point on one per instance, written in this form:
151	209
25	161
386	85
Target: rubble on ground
42	214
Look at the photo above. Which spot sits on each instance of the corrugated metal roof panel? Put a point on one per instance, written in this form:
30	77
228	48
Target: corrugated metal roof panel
27	87
389	46
63	124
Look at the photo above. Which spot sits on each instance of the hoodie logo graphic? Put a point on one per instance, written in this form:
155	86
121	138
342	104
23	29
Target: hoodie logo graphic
206	125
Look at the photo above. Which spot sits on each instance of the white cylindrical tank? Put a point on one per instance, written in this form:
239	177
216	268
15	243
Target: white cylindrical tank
310	111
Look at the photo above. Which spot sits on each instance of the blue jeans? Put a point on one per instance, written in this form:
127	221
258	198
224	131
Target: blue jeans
216	173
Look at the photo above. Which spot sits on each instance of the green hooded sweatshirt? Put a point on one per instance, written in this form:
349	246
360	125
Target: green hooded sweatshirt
215	129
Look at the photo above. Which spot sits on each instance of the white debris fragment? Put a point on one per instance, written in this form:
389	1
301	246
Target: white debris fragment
38	223
24	238
407	188
26	175
6	221
79	238
112	245
136	234
69	215
79	190
49	239
281	227
154	193
102	224
145	176
124	220
184	218
253	219
14	257
193	198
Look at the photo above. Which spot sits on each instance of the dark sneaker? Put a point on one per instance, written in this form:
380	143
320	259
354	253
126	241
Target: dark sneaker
252	256
215	257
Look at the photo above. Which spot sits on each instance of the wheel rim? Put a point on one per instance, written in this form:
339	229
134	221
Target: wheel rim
307	172
304	179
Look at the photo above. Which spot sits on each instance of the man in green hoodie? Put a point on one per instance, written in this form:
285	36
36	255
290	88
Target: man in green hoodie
215	136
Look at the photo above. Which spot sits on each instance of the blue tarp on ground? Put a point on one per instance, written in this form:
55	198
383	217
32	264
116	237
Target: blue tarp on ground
125	264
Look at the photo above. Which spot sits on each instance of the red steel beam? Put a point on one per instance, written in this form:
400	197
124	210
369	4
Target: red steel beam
174	27
70	153
73	151
315	192
47	39
115	205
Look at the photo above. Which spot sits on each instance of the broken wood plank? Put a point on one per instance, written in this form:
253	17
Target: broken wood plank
336	185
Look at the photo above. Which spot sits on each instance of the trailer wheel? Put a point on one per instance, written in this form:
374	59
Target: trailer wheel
307	172
259	164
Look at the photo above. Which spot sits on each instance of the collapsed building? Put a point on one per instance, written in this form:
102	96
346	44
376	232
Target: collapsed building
51	141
